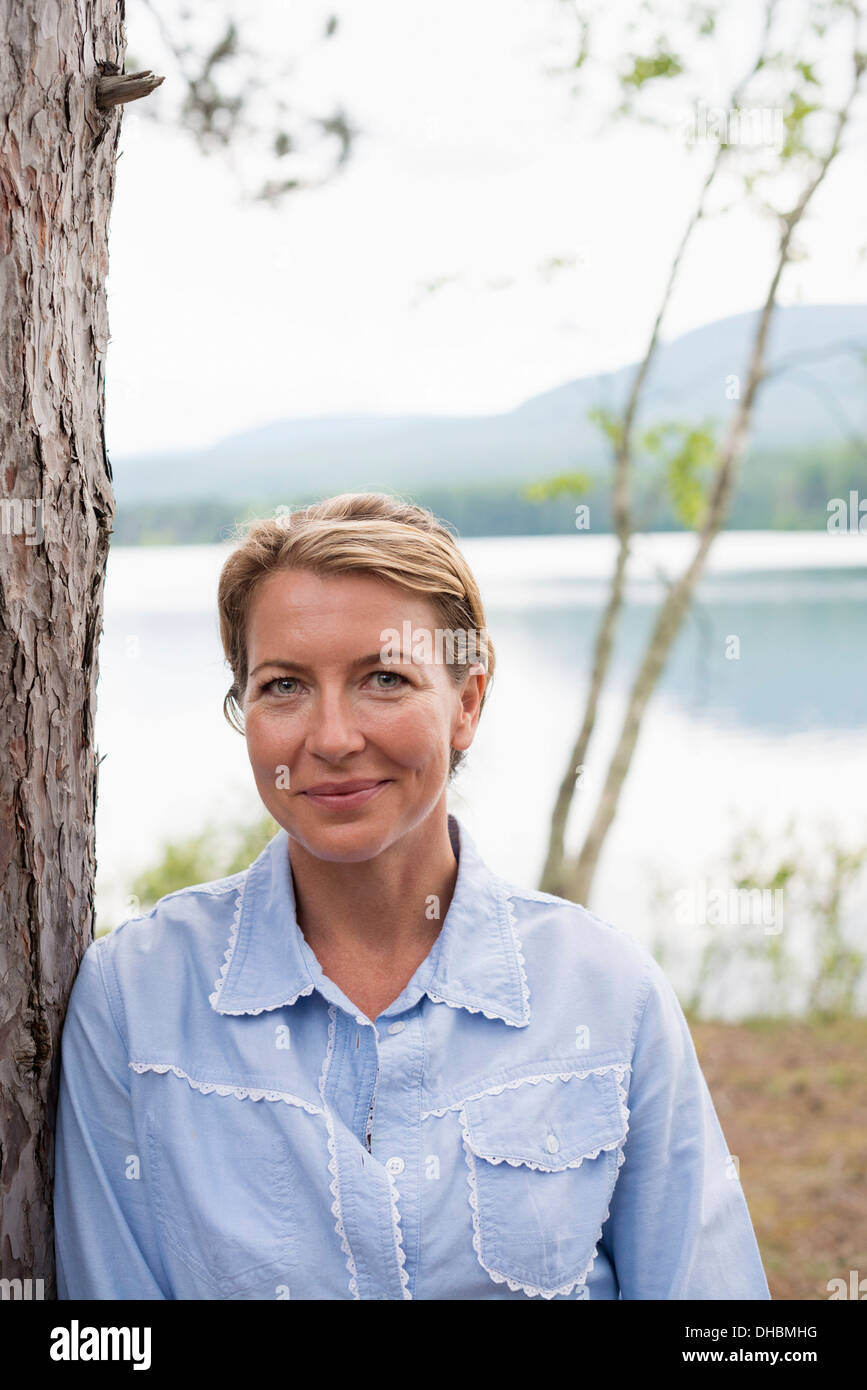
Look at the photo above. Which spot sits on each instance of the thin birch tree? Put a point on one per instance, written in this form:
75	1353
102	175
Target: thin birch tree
700	475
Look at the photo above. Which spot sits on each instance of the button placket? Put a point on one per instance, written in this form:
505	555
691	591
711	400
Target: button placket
394	1028
364	1190
362	1075
368	1134
397	1127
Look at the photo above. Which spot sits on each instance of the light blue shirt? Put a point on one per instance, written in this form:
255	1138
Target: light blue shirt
527	1119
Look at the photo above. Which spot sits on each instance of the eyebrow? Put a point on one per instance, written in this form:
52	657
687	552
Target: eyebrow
373	659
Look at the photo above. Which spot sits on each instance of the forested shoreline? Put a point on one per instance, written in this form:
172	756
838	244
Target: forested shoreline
778	491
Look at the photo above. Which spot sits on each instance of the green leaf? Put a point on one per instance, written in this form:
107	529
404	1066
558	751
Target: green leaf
793	122
685	475
610	424
644	70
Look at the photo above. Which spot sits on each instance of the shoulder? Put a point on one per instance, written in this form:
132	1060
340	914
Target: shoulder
582	954
186	932
138	987
548	920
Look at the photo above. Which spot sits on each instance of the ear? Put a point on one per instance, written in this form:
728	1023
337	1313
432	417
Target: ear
469	707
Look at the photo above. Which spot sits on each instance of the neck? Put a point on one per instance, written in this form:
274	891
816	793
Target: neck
386	906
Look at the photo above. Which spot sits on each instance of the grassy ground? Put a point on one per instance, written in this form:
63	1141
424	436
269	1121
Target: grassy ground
792	1102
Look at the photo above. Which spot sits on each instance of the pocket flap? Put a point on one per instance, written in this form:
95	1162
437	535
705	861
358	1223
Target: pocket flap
548	1123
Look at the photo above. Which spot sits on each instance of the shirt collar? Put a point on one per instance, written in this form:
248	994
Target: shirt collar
474	964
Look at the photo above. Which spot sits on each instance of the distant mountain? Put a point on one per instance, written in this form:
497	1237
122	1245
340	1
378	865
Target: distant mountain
815	394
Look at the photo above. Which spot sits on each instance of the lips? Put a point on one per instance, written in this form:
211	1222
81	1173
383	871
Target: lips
348	795
343	788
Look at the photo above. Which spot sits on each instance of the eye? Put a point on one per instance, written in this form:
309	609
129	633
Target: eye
393	675
279	680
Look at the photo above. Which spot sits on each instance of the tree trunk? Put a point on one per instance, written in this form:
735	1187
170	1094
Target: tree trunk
57	163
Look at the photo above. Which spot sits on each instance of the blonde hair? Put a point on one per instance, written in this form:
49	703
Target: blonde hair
354	533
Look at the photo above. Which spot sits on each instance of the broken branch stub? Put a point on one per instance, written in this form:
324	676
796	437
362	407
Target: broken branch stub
129	86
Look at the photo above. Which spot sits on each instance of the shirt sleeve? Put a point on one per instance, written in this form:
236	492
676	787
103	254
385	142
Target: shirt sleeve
104	1244
678	1226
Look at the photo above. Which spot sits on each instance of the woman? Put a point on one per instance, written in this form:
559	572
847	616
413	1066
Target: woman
368	1067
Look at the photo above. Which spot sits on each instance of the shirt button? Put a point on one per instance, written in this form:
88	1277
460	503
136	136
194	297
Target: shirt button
396	1027
552	1143
394	1166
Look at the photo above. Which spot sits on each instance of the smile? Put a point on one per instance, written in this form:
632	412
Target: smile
334	797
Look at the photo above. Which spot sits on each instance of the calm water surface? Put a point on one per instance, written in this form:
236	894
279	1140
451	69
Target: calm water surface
779	732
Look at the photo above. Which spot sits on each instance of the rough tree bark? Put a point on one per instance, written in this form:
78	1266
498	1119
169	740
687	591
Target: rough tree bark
57	169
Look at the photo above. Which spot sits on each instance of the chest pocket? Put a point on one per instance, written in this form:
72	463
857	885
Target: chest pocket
543	1161
223	1200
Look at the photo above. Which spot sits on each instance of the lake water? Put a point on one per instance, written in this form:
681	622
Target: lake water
779	732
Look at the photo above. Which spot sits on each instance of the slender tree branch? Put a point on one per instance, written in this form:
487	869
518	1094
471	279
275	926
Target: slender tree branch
129	86
673	609
552	879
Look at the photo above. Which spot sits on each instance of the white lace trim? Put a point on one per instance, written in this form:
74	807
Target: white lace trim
218	1088
230	950
553	1167
525	988
532	1290
334	1186
398	1238
473	1009
227	961
619	1068
269	1008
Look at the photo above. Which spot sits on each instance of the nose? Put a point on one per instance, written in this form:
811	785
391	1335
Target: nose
332	730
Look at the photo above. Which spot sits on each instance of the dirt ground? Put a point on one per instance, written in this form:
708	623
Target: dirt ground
792	1102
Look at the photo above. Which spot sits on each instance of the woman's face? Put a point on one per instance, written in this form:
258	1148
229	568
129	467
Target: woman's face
322	711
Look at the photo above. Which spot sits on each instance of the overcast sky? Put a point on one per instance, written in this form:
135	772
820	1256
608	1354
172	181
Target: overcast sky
475	163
